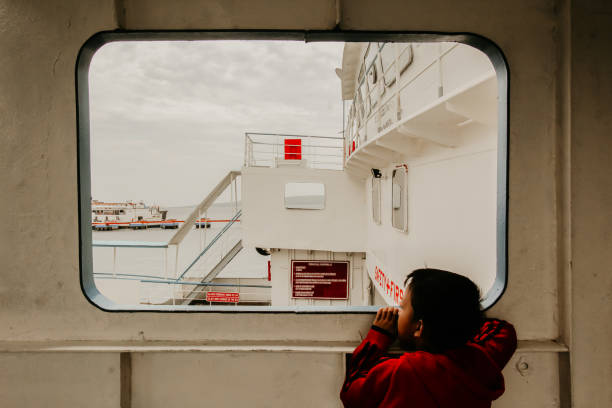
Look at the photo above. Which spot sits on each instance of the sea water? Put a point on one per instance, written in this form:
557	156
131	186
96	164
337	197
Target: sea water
121	274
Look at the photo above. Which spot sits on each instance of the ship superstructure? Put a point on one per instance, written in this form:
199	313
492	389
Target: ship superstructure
416	187
411	183
422	135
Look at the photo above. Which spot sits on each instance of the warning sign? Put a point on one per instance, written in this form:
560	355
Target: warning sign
228	297
319	279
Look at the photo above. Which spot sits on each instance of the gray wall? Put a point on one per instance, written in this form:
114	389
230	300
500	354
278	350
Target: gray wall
56	349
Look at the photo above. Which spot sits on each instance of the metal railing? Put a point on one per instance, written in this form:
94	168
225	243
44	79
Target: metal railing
211	243
188	292
359	114
228	181
197	270
274	149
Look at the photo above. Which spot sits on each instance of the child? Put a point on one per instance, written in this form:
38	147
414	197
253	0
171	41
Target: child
455	356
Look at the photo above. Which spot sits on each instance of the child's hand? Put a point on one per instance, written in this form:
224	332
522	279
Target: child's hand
386	319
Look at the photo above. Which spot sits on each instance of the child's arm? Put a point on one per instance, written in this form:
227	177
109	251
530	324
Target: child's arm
498	339
368	373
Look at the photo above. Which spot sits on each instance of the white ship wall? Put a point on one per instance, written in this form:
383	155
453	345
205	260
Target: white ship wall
435	71
59	350
339	227
451	221
447	141
460	64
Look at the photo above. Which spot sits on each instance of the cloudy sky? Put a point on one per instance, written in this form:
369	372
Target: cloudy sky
168	118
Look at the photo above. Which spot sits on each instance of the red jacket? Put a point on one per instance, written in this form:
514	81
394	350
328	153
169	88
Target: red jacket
469	376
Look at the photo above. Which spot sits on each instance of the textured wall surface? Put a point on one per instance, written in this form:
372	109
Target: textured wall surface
287	379
591	202
40	242
59	380
40	295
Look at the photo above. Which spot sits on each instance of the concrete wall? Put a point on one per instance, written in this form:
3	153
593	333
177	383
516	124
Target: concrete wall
590	204
33	379
559	109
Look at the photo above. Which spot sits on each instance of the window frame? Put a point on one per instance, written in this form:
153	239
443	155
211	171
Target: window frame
375	196
91	46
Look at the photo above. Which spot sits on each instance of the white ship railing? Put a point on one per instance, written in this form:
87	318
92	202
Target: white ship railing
172	278
370	100
229	181
212	242
249	290
270	150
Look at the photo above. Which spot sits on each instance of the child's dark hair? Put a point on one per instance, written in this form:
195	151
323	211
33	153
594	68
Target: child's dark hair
449	306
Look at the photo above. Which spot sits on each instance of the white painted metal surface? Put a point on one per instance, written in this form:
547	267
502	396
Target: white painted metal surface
428	123
339	227
558	223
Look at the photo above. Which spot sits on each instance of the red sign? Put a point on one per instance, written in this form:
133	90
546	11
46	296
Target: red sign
228	297
293	149
319	279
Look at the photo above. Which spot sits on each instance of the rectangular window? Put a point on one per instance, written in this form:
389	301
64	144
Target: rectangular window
194	210
376	200
305	196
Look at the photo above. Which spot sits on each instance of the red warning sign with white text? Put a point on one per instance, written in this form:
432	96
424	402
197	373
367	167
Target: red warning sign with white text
228	297
319	279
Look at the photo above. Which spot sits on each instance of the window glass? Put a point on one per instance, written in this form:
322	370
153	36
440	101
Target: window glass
405	56
374	83
387	56
305	196
376	199
399	199
365	97
370	55
192	209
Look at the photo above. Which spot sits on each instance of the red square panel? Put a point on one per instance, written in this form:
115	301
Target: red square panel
293	149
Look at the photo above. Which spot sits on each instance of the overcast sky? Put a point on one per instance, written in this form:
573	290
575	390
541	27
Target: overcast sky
168	118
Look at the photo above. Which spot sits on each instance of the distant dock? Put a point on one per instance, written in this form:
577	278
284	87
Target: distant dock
166	224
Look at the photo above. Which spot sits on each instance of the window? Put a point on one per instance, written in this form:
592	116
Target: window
399	199
405	58
376	199
305	196
220	200
387	56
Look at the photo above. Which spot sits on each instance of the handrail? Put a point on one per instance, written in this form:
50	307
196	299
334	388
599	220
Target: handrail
382	101
211	243
202	207
269	149
227	258
129	244
216	269
291	135
130	275
298	145
229	285
192	283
